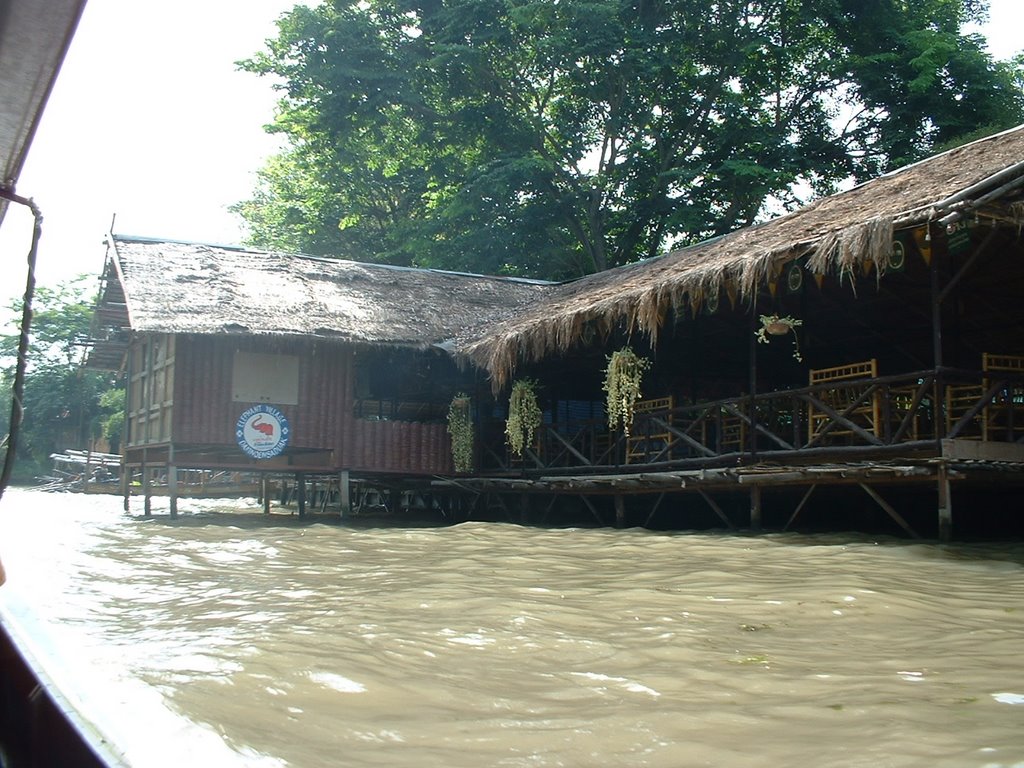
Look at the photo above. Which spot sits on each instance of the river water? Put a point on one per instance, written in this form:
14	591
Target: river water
229	638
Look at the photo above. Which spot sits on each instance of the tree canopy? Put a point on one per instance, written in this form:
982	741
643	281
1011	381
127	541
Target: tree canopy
64	405
555	138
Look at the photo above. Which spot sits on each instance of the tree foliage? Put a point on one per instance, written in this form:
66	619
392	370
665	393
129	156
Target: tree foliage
558	138
64	405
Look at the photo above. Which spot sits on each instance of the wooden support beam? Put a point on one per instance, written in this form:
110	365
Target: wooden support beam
620	511
945	504
889	510
345	493
593	510
755	507
654	509
172	481
172	488
840	418
265	493
679	434
126	485
300	492
799	507
547	509
569	447
147	498
717	509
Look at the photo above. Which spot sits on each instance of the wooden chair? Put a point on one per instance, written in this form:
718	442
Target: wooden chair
961	398
647	439
848	385
732	430
901	401
1003	416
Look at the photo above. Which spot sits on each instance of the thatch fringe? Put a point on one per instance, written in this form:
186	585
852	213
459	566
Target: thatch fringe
846	234
847	248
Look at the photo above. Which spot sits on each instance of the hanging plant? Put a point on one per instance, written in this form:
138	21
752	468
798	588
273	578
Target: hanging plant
524	415
622	385
774	325
460	427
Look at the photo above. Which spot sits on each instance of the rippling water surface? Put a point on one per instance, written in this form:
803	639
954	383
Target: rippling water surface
230	638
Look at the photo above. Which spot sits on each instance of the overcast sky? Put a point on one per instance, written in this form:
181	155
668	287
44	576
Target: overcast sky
150	120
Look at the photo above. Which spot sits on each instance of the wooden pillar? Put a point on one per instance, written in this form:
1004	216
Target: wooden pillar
939	395
945	505
126	485
172	481
344	493
172	488
300	492
265	493
752	432
88	468
147	498
620	511
755	507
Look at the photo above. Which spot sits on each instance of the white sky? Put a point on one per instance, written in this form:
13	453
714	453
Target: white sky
150	120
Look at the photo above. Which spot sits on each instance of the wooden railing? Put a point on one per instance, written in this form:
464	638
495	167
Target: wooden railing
914	412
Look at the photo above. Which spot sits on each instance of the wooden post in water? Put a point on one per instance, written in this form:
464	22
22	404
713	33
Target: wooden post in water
755	507
265	493
300	492
126	485
344	493
88	468
945	505
147	499
172	481
620	511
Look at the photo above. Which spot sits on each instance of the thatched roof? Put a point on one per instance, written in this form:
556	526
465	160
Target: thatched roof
155	286
833	232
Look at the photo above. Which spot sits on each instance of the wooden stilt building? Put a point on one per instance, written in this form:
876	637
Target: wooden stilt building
337	362
896	380
898	372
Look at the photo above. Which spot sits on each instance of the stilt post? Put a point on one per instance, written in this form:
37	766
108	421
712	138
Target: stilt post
344	493
755	507
945	505
265	493
126	485
300	492
172	481
147	503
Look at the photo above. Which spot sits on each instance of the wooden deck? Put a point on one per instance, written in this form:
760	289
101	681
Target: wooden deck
912	414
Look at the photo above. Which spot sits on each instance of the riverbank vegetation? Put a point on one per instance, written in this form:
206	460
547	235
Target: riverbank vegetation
65	405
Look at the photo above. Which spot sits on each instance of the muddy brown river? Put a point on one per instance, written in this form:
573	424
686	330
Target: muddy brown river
229	638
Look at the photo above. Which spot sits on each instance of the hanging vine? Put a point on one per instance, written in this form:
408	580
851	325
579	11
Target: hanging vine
460	427
524	415
622	385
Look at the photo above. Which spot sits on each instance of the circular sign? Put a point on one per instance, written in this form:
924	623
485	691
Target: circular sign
898	257
262	432
794	278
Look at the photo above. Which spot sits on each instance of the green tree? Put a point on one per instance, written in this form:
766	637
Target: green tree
558	138
63	402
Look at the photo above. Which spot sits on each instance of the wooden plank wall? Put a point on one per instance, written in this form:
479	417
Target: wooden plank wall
323	420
